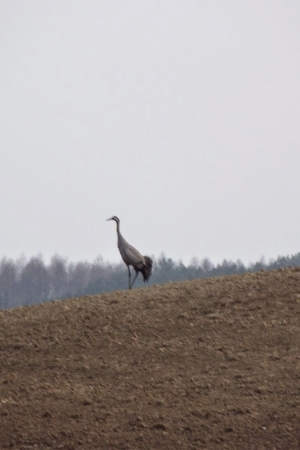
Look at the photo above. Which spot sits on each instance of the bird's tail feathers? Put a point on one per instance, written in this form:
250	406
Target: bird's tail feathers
147	269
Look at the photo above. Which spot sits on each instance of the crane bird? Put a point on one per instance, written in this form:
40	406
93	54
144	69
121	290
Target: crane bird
132	257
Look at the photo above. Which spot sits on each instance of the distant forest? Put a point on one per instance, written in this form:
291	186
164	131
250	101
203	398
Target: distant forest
29	282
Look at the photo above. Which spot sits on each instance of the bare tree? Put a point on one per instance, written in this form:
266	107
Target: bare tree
79	276
34	282
58	275
8	283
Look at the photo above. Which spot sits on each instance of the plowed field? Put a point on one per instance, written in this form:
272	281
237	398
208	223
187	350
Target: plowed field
205	364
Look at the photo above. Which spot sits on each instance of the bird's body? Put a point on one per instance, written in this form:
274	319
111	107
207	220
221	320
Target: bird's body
132	257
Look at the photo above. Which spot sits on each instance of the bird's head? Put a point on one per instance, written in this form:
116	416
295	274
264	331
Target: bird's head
115	218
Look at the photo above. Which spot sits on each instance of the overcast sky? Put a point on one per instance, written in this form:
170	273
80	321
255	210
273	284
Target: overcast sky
180	117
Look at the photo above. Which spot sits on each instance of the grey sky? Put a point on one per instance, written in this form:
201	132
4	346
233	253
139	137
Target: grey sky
180	117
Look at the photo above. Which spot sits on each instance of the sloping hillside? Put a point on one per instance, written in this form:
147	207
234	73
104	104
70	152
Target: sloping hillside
205	364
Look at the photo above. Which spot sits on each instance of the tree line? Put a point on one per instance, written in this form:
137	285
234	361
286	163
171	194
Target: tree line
26	282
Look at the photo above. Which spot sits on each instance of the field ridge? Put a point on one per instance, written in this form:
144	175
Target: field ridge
202	364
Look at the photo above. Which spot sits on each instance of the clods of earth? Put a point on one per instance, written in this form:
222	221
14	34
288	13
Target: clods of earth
205	364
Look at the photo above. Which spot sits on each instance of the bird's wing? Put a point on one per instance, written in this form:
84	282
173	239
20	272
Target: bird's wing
132	256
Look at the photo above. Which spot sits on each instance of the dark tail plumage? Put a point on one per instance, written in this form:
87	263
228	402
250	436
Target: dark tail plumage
147	268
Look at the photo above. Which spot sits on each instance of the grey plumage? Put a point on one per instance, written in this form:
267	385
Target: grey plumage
132	257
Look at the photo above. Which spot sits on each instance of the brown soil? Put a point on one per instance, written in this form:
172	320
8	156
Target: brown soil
205	364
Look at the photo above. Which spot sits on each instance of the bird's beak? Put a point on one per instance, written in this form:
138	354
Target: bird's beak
109	218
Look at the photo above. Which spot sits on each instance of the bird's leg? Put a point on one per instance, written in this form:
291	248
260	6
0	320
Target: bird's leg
134	279
129	277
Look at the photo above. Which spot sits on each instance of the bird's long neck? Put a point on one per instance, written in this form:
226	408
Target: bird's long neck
121	240
118	227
